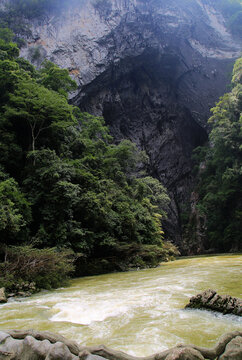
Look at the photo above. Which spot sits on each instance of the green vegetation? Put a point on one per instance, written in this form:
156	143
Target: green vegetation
220	189
64	184
12	19
16	13
41	268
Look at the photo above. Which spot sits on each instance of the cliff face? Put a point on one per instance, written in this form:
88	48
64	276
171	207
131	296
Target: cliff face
151	68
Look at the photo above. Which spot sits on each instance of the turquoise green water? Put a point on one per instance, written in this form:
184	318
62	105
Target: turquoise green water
139	312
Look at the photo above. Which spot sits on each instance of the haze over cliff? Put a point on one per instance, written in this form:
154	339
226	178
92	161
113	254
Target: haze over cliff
153	69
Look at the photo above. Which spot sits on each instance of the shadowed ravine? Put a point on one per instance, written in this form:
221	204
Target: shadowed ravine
137	312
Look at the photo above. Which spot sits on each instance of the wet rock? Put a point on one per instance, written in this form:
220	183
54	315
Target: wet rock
10	295
233	350
10	348
3	298
94	357
34	349
44	345
185	353
23	289
3	336
30	348
209	299
24	293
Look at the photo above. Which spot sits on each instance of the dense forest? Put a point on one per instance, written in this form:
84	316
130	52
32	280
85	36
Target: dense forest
65	185
220	186
218	212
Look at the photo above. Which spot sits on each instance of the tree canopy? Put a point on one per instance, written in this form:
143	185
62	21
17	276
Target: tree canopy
64	183
220	183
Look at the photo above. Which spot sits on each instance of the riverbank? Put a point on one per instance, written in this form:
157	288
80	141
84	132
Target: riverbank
22	289
25	270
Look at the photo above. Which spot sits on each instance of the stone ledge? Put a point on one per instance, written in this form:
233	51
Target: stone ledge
44	345
210	300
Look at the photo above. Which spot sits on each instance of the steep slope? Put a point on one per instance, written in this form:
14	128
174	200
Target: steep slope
151	68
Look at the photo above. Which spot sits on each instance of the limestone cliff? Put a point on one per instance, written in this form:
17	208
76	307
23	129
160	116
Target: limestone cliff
151	68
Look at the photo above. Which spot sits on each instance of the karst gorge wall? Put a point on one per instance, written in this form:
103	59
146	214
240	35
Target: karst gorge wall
153	69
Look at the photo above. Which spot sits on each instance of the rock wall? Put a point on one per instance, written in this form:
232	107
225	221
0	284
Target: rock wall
153	69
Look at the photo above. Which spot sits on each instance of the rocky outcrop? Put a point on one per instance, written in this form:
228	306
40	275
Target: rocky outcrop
233	350
23	289
32	349
3	298
209	299
37	345
153	69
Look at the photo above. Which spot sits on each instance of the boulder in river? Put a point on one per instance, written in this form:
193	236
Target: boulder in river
210	300
3	298
185	353
233	350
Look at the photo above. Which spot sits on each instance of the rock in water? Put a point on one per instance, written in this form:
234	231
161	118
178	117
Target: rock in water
233	350
185	353
209	299
3	298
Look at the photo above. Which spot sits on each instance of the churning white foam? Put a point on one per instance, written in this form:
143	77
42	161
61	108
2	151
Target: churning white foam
85	312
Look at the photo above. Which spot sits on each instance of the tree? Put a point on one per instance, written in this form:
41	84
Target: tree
85	193
220	185
57	79
15	213
6	34
35	109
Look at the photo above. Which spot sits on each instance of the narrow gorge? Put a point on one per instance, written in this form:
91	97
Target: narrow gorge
152	69
120	150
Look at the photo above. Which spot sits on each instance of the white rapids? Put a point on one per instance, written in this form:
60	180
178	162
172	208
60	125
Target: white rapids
139	312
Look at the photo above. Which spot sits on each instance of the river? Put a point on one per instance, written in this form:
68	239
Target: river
139	312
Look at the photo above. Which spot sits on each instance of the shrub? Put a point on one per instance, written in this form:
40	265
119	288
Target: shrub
47	268
35	53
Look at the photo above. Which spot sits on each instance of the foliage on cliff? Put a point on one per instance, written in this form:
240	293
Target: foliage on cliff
221	171
63	183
